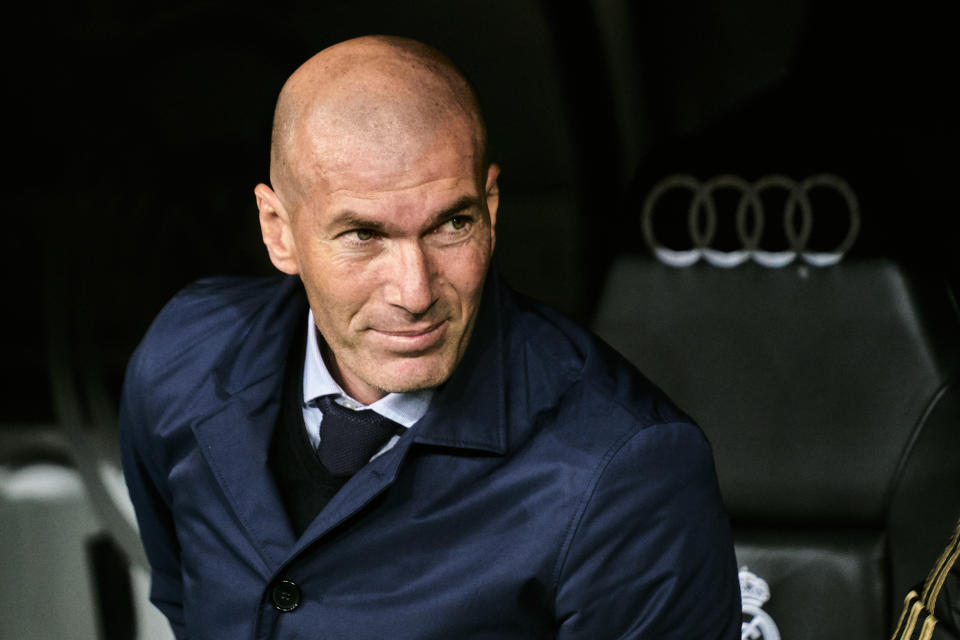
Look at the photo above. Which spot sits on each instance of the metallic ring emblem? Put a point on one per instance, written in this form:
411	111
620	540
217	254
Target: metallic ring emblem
750	219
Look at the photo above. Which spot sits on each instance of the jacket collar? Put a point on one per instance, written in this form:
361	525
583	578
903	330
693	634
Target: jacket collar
262	351
469	410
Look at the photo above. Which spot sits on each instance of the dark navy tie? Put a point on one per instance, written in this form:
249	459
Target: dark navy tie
348	438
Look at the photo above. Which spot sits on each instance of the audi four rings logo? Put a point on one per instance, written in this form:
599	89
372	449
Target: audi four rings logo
750	218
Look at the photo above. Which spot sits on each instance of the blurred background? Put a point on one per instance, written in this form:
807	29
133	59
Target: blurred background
137	131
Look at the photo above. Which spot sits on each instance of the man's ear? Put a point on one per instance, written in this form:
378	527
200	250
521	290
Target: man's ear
493	201
276	230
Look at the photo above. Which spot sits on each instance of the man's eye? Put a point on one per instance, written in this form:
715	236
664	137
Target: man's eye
456	223
363	234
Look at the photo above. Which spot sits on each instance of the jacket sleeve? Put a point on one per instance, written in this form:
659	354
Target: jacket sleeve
650	553
145	478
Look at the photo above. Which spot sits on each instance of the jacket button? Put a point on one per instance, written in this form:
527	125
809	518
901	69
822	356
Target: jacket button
285	596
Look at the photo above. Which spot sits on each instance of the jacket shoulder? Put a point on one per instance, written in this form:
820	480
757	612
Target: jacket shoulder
200	323
562	355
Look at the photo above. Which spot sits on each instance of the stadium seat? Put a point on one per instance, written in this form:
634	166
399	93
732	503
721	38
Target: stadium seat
831	401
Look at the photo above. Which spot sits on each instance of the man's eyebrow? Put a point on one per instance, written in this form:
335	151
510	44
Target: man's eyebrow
462	204
353	220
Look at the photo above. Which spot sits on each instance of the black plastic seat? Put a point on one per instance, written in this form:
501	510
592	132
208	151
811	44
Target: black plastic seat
831	400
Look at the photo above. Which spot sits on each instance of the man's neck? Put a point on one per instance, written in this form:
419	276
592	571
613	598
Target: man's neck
356	389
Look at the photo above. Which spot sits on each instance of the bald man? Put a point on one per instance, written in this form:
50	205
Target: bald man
387	442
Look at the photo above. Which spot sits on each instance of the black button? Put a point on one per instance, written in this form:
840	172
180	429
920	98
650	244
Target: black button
285	596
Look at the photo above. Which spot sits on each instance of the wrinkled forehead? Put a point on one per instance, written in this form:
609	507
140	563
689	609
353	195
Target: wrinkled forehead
389	151
448	163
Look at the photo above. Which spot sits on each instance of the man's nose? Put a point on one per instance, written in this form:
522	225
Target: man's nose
410	279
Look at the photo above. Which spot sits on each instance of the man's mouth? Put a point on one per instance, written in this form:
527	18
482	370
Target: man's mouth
411	340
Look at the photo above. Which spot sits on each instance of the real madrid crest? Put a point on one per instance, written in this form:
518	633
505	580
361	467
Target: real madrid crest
757	623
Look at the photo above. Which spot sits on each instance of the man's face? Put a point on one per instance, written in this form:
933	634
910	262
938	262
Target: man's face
393	252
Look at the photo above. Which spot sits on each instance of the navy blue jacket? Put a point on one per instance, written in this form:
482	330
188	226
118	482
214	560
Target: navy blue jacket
550	491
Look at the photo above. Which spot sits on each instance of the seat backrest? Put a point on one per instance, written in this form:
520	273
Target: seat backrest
831	401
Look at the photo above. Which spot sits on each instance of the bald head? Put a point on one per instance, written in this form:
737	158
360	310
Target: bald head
393	98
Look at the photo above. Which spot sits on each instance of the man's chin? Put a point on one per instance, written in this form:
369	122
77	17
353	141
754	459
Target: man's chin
411	384
411	375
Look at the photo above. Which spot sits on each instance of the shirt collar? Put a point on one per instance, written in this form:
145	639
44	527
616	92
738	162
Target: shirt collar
402	408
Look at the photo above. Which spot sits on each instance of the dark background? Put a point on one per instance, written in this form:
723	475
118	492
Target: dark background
137	131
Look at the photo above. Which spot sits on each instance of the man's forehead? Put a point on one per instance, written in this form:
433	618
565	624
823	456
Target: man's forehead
450	164
386	146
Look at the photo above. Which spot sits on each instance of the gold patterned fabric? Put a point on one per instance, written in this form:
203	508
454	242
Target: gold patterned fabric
933	611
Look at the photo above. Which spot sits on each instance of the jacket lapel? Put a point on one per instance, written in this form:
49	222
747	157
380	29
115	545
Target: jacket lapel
357	493
245	393
235	441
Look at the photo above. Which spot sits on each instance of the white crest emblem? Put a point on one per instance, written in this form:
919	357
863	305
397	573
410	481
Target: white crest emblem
757	623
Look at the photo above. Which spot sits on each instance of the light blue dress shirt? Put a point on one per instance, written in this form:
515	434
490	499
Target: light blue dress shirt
403	408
